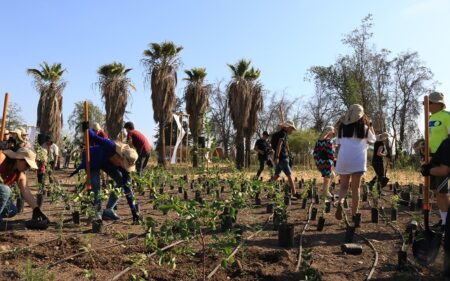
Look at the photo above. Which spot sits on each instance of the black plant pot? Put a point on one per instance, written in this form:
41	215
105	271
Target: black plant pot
76	217
419	204
258	201
309	193
198	196
374	215
304	201
287	200
40	200
269	208
19	204
349	233
97	226
208	190
390	186
185	195
345	203
364	197
222	189
180	189
313	214
172	187
151	195
49	193
357	220
226	223
394	213
327	206
402	259
317	199
406	196
412	206
286	236
217	194
161	190
420	188
321	223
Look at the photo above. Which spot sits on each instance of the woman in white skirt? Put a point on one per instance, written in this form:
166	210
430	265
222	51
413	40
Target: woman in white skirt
354	135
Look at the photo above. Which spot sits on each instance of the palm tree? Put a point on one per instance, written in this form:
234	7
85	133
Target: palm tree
239	101
161	62
114	87
50	85
256	106
196	96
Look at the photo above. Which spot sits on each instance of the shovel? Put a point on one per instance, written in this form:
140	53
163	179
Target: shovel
426	245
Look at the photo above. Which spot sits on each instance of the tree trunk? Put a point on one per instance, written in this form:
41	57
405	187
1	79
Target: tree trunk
226	148
162	145
195	150
239	150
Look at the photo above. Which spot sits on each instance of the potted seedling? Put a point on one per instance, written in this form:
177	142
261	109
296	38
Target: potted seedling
321	222
394	209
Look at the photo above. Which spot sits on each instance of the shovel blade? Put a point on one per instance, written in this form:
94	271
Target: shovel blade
426	248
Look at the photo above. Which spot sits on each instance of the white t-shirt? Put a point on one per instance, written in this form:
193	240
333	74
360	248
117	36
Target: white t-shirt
352	156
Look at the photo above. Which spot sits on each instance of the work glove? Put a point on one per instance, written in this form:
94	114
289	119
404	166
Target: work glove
38	215
84	125
425	170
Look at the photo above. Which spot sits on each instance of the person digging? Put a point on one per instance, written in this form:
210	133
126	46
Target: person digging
117	160
13	165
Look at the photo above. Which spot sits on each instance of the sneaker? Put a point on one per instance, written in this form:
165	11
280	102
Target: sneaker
338	213
109	214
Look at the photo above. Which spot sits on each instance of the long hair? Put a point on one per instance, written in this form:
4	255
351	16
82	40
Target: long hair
356	129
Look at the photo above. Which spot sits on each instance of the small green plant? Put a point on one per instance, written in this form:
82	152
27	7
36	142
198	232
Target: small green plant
30	273
394	201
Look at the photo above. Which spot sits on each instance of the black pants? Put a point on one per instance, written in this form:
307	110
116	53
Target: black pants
262	162
380	175
141	162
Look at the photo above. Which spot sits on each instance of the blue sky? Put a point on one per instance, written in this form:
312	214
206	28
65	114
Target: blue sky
282	38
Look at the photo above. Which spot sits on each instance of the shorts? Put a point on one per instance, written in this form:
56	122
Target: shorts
283	165
360	173
439	183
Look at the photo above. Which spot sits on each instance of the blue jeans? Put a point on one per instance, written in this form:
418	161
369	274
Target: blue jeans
117	176
7	208
283	165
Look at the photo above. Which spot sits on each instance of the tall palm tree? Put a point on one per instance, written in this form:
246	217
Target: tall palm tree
196	96
114	88
50	85
255	108
161	62
239	101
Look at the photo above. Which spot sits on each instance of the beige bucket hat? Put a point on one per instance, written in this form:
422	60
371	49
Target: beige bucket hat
353	114
437	97
128	154
18	132
383	136
97	126
288	124
25	154
327	130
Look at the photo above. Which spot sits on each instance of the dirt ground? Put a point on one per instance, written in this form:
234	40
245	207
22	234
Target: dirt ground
259	259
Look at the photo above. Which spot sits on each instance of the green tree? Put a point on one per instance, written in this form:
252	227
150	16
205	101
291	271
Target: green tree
301	144
115	88
50	85
96	115
161	62
196	95
14	118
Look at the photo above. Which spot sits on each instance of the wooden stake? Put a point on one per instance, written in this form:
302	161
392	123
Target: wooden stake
5	111
426	189
88	152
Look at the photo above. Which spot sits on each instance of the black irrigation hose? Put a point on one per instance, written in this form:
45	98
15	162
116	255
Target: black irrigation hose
375	262
300	248
211	274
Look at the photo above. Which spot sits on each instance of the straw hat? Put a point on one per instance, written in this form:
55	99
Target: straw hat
353	114
97	126
383	136
25	154
6	132
327	130
436	97
24	131
128	154
288	124
18	132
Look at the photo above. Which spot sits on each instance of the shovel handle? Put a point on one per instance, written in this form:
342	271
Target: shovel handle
86	143
426	189
5	111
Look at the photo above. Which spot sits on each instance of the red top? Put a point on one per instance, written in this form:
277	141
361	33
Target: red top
139	141
100	133
8	176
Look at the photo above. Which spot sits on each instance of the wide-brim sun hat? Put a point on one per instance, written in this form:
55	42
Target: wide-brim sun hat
437	97
24	131
383	136
97	126
128	154
24	154
353	114
18	132
288	124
